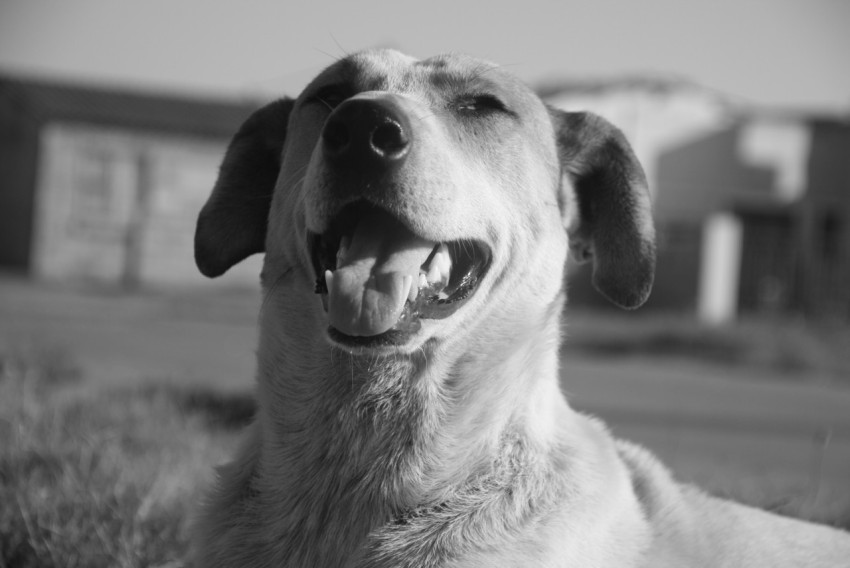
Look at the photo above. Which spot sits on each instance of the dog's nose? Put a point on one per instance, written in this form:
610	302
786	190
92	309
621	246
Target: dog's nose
367	134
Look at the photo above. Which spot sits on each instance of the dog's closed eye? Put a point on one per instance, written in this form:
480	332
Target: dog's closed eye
480	104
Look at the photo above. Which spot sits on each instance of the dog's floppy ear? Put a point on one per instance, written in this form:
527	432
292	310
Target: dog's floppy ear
232	223
613	225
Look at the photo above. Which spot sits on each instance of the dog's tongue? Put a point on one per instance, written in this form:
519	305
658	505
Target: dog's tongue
367	292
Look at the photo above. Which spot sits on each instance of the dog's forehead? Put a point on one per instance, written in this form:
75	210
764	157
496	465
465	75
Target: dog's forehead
390	70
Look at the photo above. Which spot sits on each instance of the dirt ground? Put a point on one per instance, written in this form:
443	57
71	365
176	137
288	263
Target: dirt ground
741	432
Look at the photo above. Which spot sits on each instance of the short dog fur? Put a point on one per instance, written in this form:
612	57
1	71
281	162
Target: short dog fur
407	423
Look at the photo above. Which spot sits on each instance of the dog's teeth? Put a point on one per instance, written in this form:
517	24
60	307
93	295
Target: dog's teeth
408	287
413	290
433	275
440	267
423	280
329	280
444	261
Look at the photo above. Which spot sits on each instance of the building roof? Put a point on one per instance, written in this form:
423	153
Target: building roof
45	101
671	85
657	84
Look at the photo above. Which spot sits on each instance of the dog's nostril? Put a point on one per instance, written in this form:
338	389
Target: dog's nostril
336	135
366	134
389	139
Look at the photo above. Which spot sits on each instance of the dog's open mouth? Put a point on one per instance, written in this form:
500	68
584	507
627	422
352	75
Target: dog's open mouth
378	279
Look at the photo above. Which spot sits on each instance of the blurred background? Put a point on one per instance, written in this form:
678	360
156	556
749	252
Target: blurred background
124	375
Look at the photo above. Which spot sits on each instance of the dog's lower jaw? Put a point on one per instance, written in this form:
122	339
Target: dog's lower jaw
349	465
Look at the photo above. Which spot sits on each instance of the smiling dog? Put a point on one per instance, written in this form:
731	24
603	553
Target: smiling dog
416	218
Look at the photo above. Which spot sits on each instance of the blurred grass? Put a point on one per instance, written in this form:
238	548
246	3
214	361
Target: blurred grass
785	347
108	478
102	479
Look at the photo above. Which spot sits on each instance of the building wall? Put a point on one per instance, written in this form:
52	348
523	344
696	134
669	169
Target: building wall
706	176
825	279
784	177
18	160
652	121
119	207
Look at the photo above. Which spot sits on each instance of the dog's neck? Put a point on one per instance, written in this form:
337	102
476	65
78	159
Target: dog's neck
363	440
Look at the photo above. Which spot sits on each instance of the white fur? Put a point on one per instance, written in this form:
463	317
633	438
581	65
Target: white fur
456	449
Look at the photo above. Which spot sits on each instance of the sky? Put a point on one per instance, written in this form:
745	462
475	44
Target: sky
788	54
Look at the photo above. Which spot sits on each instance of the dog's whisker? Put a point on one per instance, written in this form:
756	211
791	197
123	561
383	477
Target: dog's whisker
299	172
345	52
272	288
324	102
332	57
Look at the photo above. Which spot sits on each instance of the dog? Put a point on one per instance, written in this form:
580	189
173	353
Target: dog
416	217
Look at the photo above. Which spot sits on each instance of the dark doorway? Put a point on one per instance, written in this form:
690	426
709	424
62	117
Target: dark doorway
768	263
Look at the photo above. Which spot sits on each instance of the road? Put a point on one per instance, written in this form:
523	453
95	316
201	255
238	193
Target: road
736	431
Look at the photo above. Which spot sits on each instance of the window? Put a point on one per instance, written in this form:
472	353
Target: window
91	190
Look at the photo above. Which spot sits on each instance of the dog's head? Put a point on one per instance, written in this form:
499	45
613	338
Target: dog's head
415	197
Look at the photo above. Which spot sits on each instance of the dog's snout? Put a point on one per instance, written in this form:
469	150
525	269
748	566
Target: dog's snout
367	134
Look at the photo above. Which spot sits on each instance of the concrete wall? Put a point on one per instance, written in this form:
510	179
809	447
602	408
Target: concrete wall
119	207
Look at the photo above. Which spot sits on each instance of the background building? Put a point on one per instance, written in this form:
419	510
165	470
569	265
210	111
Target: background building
104	185
752	207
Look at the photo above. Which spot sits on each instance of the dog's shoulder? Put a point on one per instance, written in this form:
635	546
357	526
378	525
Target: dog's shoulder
693	528
226	529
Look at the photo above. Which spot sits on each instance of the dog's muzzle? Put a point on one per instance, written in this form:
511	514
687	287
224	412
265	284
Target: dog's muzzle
378	279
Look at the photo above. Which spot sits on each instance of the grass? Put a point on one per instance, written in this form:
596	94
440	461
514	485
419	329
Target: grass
783	348
106	479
